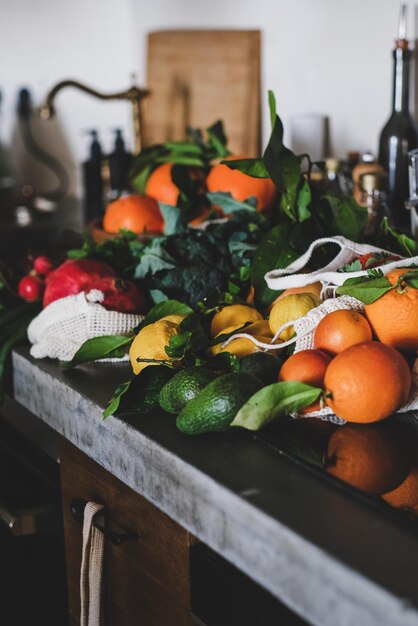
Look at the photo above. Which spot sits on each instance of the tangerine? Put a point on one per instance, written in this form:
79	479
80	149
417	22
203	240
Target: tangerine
372	458
394	316
406	494
139	214
367	382
160	185
341	329
241	186
306	366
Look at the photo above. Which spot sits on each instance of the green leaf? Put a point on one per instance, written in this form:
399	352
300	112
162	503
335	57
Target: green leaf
272	107
114	402
217	139
283	167
349	217
274	252
274	401
228	204
190	339
139	182
109	347
303	201
365	289
405	244
168	307
251	167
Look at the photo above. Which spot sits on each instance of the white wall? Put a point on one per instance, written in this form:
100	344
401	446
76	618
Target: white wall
323	56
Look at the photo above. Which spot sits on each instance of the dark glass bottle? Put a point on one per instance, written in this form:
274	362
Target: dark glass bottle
398	137
93	180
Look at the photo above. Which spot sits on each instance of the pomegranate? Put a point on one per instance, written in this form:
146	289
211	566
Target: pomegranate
121	295
43	265
30	288
74	276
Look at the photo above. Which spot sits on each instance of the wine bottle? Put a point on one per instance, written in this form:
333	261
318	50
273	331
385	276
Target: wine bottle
400	133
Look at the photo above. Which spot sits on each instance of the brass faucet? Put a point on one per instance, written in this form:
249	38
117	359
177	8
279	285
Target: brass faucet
134	95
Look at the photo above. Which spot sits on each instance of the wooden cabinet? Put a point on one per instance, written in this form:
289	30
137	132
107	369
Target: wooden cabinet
146	581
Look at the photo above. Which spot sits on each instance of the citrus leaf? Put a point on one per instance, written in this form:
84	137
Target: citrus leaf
365	289
217	139
272	107
350	218
114	401
228	204
403	242
108	346
274	252
273	401
303	201
167	307
251	167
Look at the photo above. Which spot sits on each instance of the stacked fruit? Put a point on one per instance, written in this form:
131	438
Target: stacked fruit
359	361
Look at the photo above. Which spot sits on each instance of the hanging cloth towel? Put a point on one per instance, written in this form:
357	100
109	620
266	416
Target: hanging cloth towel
91	568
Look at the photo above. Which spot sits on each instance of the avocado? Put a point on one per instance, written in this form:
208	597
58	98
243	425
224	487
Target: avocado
183	387
215	407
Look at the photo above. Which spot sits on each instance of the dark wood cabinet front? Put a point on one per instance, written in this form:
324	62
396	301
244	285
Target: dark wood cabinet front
146	581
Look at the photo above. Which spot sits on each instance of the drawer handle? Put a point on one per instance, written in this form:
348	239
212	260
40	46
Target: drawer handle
77	506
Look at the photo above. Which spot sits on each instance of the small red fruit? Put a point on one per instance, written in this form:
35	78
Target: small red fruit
30	288
121	295
43	265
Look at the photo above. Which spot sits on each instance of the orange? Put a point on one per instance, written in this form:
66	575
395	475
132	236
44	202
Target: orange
139	214
367	382
241	186
339	330
160	185
406	495
306	366
373	458
394	316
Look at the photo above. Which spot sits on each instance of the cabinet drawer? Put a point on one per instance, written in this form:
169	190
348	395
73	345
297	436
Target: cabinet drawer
145	581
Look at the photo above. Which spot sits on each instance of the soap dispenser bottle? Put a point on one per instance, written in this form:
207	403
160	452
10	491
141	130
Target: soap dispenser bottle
120	161
93	182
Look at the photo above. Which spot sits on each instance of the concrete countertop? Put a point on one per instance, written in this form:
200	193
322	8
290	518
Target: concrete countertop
334	556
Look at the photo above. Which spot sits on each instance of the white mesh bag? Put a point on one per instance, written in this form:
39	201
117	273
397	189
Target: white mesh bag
64	325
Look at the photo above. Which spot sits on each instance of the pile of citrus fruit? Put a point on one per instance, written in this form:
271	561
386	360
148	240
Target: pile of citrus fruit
362	362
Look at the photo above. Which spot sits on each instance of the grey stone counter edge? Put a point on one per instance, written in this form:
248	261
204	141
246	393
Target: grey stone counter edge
306	578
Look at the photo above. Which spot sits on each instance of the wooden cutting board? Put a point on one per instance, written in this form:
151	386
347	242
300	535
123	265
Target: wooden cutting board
199	76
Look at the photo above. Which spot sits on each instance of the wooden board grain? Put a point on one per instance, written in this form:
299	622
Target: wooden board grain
199	76
145	581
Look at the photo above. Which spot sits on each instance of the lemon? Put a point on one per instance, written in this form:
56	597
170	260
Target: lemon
290	308
261	327
233	316
175	318
150	343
